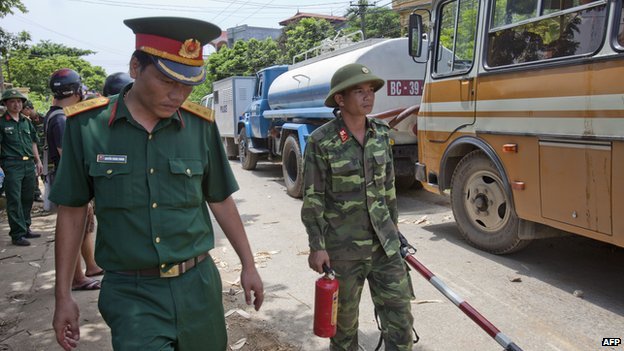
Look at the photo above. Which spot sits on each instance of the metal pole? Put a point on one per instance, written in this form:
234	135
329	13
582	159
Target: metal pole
481	321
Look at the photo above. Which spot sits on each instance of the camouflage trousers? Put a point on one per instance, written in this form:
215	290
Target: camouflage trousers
391	292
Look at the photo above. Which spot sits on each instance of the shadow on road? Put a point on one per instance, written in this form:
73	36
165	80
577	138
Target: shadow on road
570	263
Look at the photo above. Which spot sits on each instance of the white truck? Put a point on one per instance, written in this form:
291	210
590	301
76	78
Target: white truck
230	97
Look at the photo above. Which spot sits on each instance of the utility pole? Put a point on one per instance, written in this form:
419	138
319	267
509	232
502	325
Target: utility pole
362	5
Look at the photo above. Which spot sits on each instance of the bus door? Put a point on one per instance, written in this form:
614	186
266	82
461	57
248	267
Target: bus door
449	102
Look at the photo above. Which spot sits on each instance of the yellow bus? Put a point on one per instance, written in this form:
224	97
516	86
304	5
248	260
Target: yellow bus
522	117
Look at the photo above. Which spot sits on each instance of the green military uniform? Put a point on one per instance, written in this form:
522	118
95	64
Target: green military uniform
16	159
151	191
350	210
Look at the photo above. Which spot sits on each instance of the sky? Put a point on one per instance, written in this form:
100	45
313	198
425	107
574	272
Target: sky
97	25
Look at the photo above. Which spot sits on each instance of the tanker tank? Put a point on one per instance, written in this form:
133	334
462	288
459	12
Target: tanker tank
306	84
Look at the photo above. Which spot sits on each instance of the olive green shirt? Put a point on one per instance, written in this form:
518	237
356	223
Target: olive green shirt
349	201
150	189
16	138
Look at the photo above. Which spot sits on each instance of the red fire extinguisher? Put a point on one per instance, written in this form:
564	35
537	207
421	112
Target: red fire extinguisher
326	304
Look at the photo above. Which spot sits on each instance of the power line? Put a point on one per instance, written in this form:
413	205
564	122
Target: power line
90	44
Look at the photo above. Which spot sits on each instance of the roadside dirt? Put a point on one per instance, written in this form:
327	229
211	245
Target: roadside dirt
245	333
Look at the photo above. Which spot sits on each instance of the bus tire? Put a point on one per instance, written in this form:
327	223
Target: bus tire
482	208
292	167
247	158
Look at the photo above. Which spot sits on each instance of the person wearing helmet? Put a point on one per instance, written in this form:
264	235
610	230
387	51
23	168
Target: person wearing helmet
156	168
67	89
18	150
115	82
350	211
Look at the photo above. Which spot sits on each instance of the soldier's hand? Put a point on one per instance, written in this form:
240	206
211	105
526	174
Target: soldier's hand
65	323
316	259
251	281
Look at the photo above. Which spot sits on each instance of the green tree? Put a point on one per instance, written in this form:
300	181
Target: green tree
301	36
379	22
10	42
7	6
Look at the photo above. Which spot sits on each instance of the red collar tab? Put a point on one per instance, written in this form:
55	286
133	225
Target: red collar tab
113	113
344	136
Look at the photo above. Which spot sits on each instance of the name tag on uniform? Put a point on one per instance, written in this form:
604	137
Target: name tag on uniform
112	158
9	129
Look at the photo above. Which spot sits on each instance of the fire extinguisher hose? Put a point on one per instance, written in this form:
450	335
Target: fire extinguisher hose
407	251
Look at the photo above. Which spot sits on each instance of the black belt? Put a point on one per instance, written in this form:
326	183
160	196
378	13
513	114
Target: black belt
174	271
18	158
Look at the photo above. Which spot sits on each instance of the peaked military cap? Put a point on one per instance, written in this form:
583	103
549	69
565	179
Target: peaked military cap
175	44
348	76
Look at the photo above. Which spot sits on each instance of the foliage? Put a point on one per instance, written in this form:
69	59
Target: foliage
46	48
300	36
379	22
7	6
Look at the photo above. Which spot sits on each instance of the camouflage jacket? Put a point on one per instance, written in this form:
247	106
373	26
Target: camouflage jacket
349	194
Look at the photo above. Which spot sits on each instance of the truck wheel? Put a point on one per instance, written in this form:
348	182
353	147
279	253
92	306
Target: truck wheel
247	158
292	167
483	211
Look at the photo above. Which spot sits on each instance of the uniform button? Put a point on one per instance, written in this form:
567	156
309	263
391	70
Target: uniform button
163	265
149	137
157	239
154	205
188	171
109	171
151	171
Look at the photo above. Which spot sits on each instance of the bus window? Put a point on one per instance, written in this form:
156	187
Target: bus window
620	37
552	6
457	33
570	34
513	11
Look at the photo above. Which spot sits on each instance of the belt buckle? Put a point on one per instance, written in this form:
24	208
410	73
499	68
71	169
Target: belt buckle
174	271
25	158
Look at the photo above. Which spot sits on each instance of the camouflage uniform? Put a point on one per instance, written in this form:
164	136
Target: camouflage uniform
350	210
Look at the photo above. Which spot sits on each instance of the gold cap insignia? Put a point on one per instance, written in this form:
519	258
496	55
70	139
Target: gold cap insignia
365	70
190	49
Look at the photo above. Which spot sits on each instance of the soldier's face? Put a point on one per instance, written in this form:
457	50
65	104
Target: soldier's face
13	105
357	100
157	93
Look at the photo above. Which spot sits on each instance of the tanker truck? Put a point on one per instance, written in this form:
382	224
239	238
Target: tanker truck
288	104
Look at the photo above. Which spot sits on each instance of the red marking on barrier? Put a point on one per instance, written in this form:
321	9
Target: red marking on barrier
479	319
419	267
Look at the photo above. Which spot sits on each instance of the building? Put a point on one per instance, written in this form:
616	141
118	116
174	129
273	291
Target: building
245	32
337	21
406	7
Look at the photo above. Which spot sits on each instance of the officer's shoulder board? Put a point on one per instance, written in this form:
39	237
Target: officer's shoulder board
198	110
84	106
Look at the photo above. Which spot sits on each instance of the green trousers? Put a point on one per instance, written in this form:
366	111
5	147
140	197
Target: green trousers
391	292
184	313
19	187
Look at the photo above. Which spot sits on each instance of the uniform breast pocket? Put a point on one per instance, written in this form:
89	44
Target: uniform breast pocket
185	188
113	186
379	171
345	176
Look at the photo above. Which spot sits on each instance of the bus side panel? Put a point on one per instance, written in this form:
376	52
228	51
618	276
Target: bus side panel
521	168
618	193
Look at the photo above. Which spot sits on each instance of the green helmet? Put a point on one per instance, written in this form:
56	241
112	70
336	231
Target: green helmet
13	94
348	76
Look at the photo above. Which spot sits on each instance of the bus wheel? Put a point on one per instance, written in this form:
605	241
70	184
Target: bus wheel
292	167
247	158
483	211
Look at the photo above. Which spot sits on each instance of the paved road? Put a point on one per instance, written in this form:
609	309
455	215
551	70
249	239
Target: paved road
529	295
